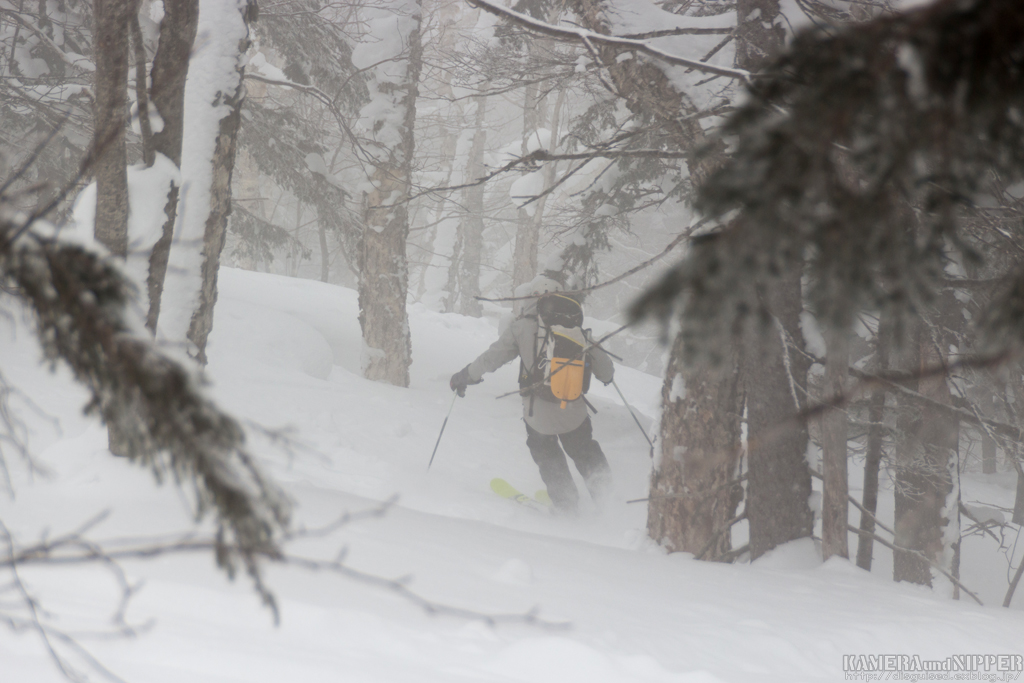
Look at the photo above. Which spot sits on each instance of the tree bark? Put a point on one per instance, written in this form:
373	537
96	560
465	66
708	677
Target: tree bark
873	457
383	268
694	492
325	256
836	490
928	441
142	90
167	93
471	227
774	377
1018	502
700	432
758	37
988	453
109	147
524	260
215	231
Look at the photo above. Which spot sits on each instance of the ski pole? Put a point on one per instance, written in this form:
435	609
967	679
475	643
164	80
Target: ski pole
635	418
444	424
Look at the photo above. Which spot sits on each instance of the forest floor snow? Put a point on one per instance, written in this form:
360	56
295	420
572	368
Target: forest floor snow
284	358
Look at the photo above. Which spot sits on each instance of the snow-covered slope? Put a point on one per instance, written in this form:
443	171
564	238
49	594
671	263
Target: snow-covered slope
285	358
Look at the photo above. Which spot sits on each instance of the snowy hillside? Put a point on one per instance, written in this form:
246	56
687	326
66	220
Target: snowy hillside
285	358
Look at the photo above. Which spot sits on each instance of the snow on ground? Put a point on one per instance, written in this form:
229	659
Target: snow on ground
285	356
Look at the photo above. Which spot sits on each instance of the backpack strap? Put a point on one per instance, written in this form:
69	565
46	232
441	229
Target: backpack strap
539	338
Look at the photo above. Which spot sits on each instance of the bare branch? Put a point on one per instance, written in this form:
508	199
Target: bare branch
908	551
685	234
667	33
581	35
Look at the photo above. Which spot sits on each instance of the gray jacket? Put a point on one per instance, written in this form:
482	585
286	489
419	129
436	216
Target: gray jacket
519	341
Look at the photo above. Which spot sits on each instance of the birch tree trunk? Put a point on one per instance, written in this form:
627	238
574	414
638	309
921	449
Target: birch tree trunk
383	267
111	119
170	69
212	115
220	195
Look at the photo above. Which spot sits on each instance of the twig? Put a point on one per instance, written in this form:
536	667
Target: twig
625	44
337	566
1009	430
1013	585
860	507
967	513
622	276
916	553
540	155
719	531
667	33
733	554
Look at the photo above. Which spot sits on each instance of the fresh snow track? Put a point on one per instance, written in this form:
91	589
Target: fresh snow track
285	356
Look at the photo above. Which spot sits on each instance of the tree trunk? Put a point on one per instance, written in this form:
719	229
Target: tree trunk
928	441
170	68
142	90
760	32
212	116
220	200
1018	503
471	228
873	457
384	268
774	379
109	147
524	260
1014	456
836	489
774	376
111	119
325	256
698	456
694	493
988	453
550	170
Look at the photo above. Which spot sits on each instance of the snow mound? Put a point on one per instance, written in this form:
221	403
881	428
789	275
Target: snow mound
514	572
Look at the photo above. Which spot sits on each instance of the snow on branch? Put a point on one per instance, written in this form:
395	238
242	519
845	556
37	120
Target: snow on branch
74	60
586	37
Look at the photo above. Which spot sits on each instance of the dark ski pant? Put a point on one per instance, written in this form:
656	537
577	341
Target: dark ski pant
586	454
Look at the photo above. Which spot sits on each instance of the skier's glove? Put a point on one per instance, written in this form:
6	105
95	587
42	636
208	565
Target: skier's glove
461	380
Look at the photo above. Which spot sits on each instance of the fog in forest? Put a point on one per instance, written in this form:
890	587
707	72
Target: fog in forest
490	340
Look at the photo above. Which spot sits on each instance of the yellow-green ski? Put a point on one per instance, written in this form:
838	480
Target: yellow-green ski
504	489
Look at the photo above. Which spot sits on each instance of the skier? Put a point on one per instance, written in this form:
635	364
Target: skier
548	418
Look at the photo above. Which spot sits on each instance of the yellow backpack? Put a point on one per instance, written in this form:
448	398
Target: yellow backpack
561	369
